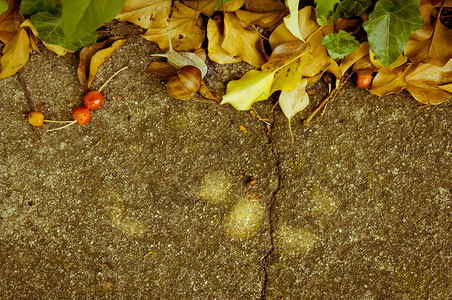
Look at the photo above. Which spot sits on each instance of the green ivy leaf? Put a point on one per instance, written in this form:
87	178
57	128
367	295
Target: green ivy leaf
81	17
340	44
390	26
31	7
324	9
50	31
3	6
350	8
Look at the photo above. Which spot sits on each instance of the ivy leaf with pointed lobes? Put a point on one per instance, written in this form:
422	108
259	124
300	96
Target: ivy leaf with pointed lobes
324	9
390	26
350	8
340	44
30	7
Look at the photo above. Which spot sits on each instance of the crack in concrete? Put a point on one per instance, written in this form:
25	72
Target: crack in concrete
267	256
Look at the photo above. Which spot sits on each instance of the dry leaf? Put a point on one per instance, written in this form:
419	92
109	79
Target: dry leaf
263	5
241	42
185	28
207	7
205	92
291	21
294	101
215	36
15	54
93	56
146	13
264	20
10	21
161	68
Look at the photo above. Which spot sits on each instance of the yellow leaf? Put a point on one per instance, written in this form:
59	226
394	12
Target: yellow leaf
146	13
287	60
291	20
207	7
252	87
93	56
261	19
294	101
441	47
263	5
10	21
388	81
15	54
215	37
185	28
241	42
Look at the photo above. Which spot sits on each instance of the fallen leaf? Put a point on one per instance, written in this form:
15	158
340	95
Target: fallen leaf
241	42
215	36
291	20
146	14
207	7
294	101
252	87
93	56
10	21
161	68
15	53
263	5
261	19
185	28
440	50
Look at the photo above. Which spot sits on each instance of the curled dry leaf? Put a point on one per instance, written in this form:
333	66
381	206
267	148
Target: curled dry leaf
10	21
57	49
294	101
263	5
215	36
93	56
15	54
146	14
185	28
241	42
161	68
261	19
207	7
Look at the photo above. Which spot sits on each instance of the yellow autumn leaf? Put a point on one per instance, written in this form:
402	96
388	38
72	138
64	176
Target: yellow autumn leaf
261	19
207	7
215	37
294	101
263	5
15	54
252	87
93	56
291	21
287	60
146	13
185	28
241	42
10	21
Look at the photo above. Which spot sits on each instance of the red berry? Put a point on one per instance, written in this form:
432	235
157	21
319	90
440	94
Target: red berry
363	81
82	115
93	100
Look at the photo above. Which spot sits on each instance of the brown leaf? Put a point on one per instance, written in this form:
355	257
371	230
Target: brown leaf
10	21
15	54
261	19
263	5
207	7
161	68
205	92
93	56
146	14
185	28
215	36
241	42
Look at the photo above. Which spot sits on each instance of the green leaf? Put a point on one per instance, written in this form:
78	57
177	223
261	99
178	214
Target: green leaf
252	87
3	6
324	9
81	17
390	26
350	8
220	3
31	7
291	21
50	31
340	44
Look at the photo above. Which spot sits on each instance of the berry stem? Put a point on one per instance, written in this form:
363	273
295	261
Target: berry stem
51	121
69	124
116	73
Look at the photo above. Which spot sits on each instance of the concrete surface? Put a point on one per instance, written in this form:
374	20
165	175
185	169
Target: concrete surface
163	199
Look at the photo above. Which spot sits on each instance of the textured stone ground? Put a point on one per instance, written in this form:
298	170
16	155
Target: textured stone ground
155	198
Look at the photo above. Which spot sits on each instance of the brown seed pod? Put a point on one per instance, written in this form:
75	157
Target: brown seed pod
185	83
